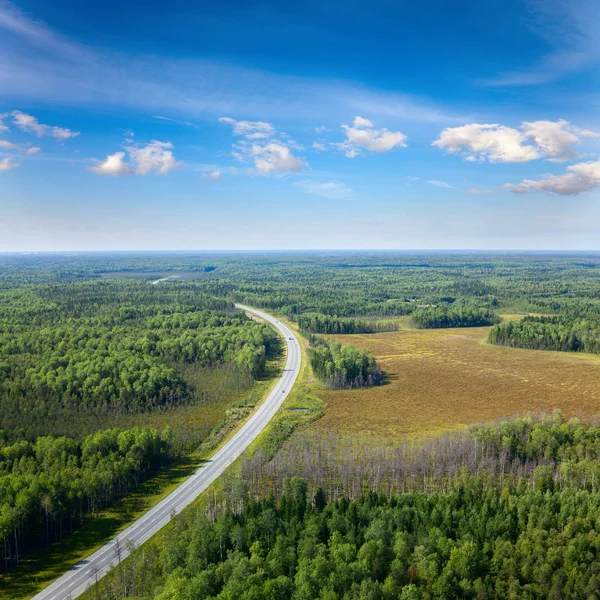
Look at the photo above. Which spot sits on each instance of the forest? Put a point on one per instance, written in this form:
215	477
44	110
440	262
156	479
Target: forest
318	323
49	486
89	343
343	366
437	317
79	357
518	520
559	333
85	350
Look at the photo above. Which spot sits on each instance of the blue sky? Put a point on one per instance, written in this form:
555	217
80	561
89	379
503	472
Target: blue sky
249	125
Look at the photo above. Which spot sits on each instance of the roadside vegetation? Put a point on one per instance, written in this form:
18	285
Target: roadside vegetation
508	511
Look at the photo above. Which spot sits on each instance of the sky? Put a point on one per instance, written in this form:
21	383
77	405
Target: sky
194	125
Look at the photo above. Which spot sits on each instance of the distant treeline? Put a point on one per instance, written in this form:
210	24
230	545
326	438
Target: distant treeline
562	334
48	487
341	367
525	527
318	323
450	315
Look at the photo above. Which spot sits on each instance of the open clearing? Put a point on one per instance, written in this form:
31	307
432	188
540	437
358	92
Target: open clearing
446	378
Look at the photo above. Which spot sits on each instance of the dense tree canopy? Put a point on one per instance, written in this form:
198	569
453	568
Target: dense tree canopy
115	345
563	334
490	530
430	317
49	486
343	366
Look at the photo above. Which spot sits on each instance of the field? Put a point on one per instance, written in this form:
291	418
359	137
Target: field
446	378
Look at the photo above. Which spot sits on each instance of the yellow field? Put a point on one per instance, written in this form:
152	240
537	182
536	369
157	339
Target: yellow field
445	378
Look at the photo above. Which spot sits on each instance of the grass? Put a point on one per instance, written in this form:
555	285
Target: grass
37	570
446	378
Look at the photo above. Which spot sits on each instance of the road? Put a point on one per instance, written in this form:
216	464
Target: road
85	573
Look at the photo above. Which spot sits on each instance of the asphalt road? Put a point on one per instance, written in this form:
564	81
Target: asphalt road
85	573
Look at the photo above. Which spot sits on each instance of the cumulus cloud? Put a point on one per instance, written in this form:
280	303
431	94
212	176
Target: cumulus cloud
251	130
579	178
275	158
441	184
552	140
30	124
480	192
495	143
213	175
363	135
263	145
155	157
6	164
113	165
335	190
3	127
319	147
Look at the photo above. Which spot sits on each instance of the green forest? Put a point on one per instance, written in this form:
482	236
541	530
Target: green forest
559	333
83	350
90	346
343	366
49	486
80	356
318	323
436	317
520	522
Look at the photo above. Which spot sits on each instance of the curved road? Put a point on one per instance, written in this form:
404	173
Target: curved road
85	573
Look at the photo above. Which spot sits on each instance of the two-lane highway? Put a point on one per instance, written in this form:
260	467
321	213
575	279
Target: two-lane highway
85	573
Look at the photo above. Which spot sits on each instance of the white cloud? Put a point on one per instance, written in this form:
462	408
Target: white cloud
8	145
441	184
481	192
213	175
327	189
3	127
251	130
363	135
29	150
275	158
579	178
483	141
6	164
268	149
30	124
319	147
113	165
321	129
155	157
551	140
